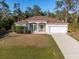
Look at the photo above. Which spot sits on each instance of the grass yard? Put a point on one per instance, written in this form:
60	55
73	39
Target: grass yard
74	30
75	35
23	46
73	27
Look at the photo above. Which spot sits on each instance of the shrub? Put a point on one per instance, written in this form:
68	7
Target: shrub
18	29
29	31
21	29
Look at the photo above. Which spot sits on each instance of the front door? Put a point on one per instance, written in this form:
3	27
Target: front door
42	27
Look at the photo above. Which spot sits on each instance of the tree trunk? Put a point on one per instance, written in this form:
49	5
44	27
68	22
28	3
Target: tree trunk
76	18
66	16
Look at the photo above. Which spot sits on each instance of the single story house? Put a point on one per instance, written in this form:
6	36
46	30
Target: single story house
44	24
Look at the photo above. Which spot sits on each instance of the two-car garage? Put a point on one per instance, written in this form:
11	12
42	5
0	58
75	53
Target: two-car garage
57	28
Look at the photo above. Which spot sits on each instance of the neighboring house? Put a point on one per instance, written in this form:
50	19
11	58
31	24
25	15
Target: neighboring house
44	24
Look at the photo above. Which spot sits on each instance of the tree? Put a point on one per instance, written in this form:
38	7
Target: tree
17	12
76	3
44	13
48	13
58	15
29	12
6	24
58	9
36	10
17	8
4	8
66	6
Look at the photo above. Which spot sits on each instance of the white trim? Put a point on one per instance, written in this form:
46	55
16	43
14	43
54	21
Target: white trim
57	23
37	22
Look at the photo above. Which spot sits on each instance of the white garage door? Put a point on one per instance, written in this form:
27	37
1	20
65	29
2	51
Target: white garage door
57	29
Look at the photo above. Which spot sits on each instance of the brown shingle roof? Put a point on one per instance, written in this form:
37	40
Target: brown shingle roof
22	22
40	18
44	18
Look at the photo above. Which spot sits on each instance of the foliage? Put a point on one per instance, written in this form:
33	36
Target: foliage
18	29
34	11
6	23
74	27
17	13
65	7
4	8
21	29
17	8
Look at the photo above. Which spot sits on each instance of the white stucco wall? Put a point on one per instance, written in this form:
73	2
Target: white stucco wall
56	28
50	28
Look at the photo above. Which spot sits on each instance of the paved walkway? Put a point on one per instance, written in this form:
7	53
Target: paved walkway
68	45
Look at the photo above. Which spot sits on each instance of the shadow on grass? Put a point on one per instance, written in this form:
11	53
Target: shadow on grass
4	33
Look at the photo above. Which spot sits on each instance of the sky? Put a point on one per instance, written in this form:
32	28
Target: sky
44	4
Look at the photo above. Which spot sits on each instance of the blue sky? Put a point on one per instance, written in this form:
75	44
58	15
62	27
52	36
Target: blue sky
44	4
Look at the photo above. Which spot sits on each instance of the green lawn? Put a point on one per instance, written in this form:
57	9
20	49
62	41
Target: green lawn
29	47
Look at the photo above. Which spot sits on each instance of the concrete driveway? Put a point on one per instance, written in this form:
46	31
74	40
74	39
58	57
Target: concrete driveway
68	45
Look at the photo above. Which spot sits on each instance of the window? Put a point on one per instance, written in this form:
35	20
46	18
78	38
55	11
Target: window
41	26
